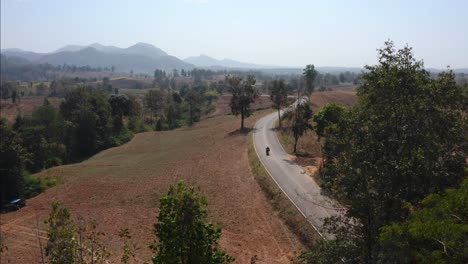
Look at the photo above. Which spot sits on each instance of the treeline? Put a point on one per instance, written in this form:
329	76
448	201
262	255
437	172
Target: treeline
89	120
13	68
86	122
14	90
397	161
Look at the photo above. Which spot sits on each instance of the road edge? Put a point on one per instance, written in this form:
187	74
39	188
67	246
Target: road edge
294	218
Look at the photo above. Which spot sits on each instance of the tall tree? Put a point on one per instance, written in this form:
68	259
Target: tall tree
193	100
243	94
279	96
12	160
184	236
300	121
406	139
309	75
154	101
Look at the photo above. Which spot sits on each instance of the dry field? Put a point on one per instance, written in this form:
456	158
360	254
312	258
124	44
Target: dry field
26	106
120	187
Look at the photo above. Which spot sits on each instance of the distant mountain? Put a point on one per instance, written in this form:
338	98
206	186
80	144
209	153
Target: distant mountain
144	49
104	48
206	61
69	48
141	57
28	55
122	61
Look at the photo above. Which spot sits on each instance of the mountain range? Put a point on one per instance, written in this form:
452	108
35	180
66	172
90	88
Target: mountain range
143	57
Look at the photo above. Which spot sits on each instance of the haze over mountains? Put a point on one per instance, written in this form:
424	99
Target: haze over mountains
145	58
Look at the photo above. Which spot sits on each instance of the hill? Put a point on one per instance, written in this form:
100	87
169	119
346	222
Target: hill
120	187
209	62
123	62
141	57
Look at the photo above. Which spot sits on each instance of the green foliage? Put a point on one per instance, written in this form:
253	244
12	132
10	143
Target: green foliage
123	136
329	123
404	140
437	232
309	75
89	112
300	121
279	96
183	234
328	119
70	243
128	248
34	185
243	94
12	159
61	245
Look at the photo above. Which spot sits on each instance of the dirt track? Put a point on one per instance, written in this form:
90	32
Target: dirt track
120	187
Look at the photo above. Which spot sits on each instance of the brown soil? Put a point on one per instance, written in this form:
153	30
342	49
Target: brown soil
120	188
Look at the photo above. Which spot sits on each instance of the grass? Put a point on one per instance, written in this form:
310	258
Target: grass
295	221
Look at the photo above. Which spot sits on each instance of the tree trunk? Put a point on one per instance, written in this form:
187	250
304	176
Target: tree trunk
279	118
295	143
242	120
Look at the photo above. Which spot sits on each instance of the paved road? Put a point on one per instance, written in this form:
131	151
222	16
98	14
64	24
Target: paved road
301	189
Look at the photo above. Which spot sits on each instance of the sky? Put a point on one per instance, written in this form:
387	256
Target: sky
272	32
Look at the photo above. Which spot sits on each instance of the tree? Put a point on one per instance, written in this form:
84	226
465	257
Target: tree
89	114
12	161
309	75
300	121
405	139
193	100
279	96
243	94
435	232
184	236
329	124
61	245
70	243
154	101
120	105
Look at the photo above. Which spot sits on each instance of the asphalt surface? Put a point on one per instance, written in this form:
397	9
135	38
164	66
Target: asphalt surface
300	188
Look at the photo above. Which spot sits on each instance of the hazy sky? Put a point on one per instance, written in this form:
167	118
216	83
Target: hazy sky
286	33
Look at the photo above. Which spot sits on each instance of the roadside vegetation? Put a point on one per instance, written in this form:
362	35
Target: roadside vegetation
396	160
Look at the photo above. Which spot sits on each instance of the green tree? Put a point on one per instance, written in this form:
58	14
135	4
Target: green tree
300	121
193	100
405	139
154	101
330	125
435	232
90	116
309	75
183	234
120	105
61	244
279	96
12	161
243	94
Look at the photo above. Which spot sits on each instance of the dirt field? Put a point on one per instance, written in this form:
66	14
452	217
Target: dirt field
346	97
26	106
120	187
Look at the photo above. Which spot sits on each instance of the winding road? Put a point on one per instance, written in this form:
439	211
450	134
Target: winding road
300	188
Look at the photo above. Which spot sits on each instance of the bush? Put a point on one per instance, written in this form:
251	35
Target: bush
122	137
34	185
